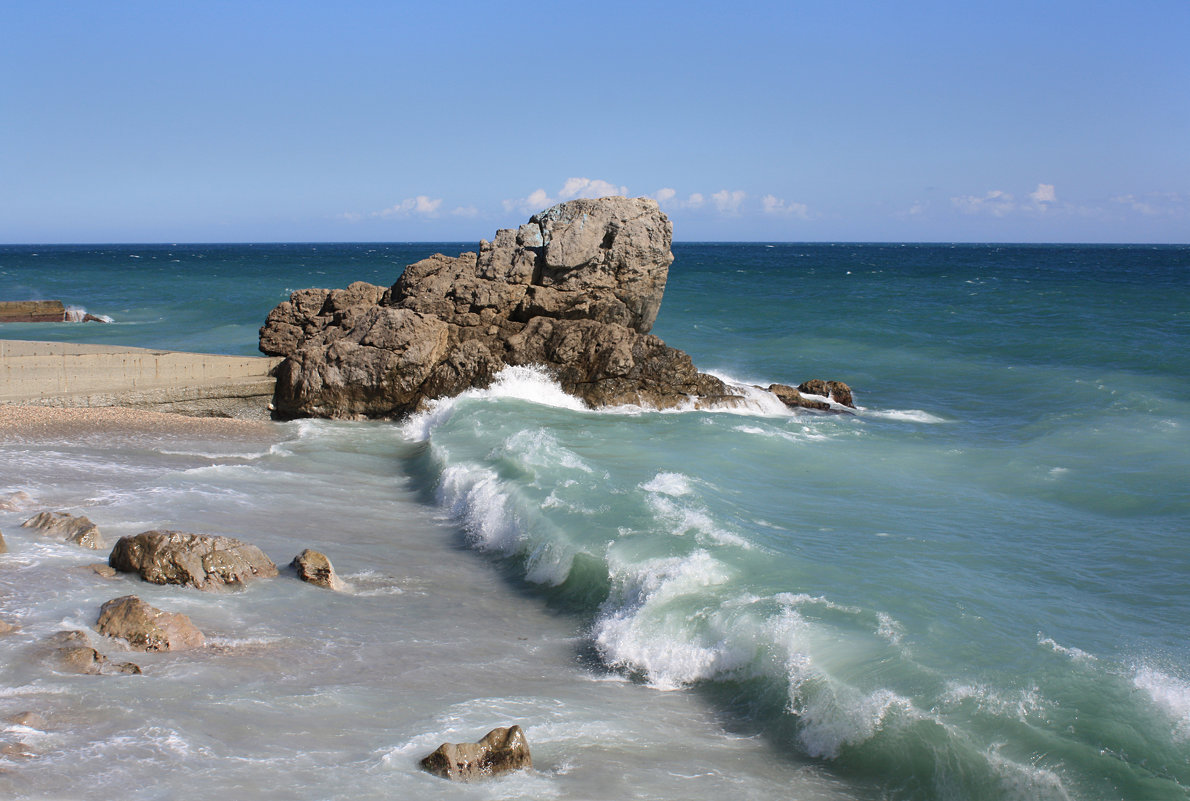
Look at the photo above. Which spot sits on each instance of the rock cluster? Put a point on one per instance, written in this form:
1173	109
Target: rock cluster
196	560
576	289
835	391
499	751
73	653
68	528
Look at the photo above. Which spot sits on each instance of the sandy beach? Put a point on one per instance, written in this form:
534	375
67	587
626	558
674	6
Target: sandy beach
40	422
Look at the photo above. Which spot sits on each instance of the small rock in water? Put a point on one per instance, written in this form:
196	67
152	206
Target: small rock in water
74	654
76	530
314	567
8	628
102	570
15	501
835	390
195	560
3	544
501	750
30	720
147	628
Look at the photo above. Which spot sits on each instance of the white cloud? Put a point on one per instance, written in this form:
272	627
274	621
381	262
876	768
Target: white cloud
422	204
775	205
728	202
695	201
464	211
1043	194
668	198
585	187
665	195
1160	204
996	203
539	199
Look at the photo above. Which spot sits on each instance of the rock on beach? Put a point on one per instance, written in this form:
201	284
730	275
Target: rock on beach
195	560
576	289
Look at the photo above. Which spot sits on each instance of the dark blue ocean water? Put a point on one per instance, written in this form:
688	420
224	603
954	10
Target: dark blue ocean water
977	587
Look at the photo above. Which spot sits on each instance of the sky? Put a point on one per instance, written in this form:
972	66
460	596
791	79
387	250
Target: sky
752	121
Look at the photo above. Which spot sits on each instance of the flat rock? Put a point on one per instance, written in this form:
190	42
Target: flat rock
195	560
575	290
499	751
147	628
68	528
315	568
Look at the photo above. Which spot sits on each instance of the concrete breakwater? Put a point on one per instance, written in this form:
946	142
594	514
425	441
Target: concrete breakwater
43	311
68	374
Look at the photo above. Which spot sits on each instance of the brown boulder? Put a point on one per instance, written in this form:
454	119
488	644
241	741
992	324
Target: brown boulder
75	530
195	560
835	390
501	750
314	567
147	628
576	290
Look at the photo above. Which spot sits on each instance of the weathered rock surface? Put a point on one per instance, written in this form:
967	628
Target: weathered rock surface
500	751
147	628
73	653
195	560
837	391
76	530
314	567
576	290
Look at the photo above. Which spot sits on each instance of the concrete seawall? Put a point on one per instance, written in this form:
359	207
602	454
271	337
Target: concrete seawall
66	374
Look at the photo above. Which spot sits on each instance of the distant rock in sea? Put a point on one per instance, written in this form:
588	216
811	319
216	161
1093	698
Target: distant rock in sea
576	289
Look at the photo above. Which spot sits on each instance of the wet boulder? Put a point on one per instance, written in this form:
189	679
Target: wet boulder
72	653
147	628
837	391
501	750
196	560
315	568
68	528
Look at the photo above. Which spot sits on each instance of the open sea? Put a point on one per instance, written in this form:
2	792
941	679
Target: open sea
977	587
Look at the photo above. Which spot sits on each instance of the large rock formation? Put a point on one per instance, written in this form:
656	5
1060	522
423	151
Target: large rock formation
576	290
499	751
197	560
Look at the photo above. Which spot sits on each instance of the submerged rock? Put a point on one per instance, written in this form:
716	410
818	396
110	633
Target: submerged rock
3	544
28	719
15	501
73	653
314	567
576	289
501	750
147	628
75	530
195	560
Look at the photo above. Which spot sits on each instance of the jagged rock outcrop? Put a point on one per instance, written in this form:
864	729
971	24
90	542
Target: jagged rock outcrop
78	531
576	290
315	568
195	560
146	627
500	751
835	391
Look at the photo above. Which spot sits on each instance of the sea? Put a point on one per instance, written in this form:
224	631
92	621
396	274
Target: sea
977	586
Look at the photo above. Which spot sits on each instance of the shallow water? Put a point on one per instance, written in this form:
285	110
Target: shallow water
976	587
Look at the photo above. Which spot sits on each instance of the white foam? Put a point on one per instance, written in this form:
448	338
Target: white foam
1169	694
668	483
1027	781
903	415
836	716
1076	654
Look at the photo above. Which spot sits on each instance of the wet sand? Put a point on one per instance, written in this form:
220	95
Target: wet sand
40	422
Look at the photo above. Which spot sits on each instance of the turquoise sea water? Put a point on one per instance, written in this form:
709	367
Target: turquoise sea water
978	587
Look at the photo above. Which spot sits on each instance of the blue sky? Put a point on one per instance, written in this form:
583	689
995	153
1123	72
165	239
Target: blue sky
791	121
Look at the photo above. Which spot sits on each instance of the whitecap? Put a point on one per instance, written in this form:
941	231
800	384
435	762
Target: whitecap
903	415
1169	694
